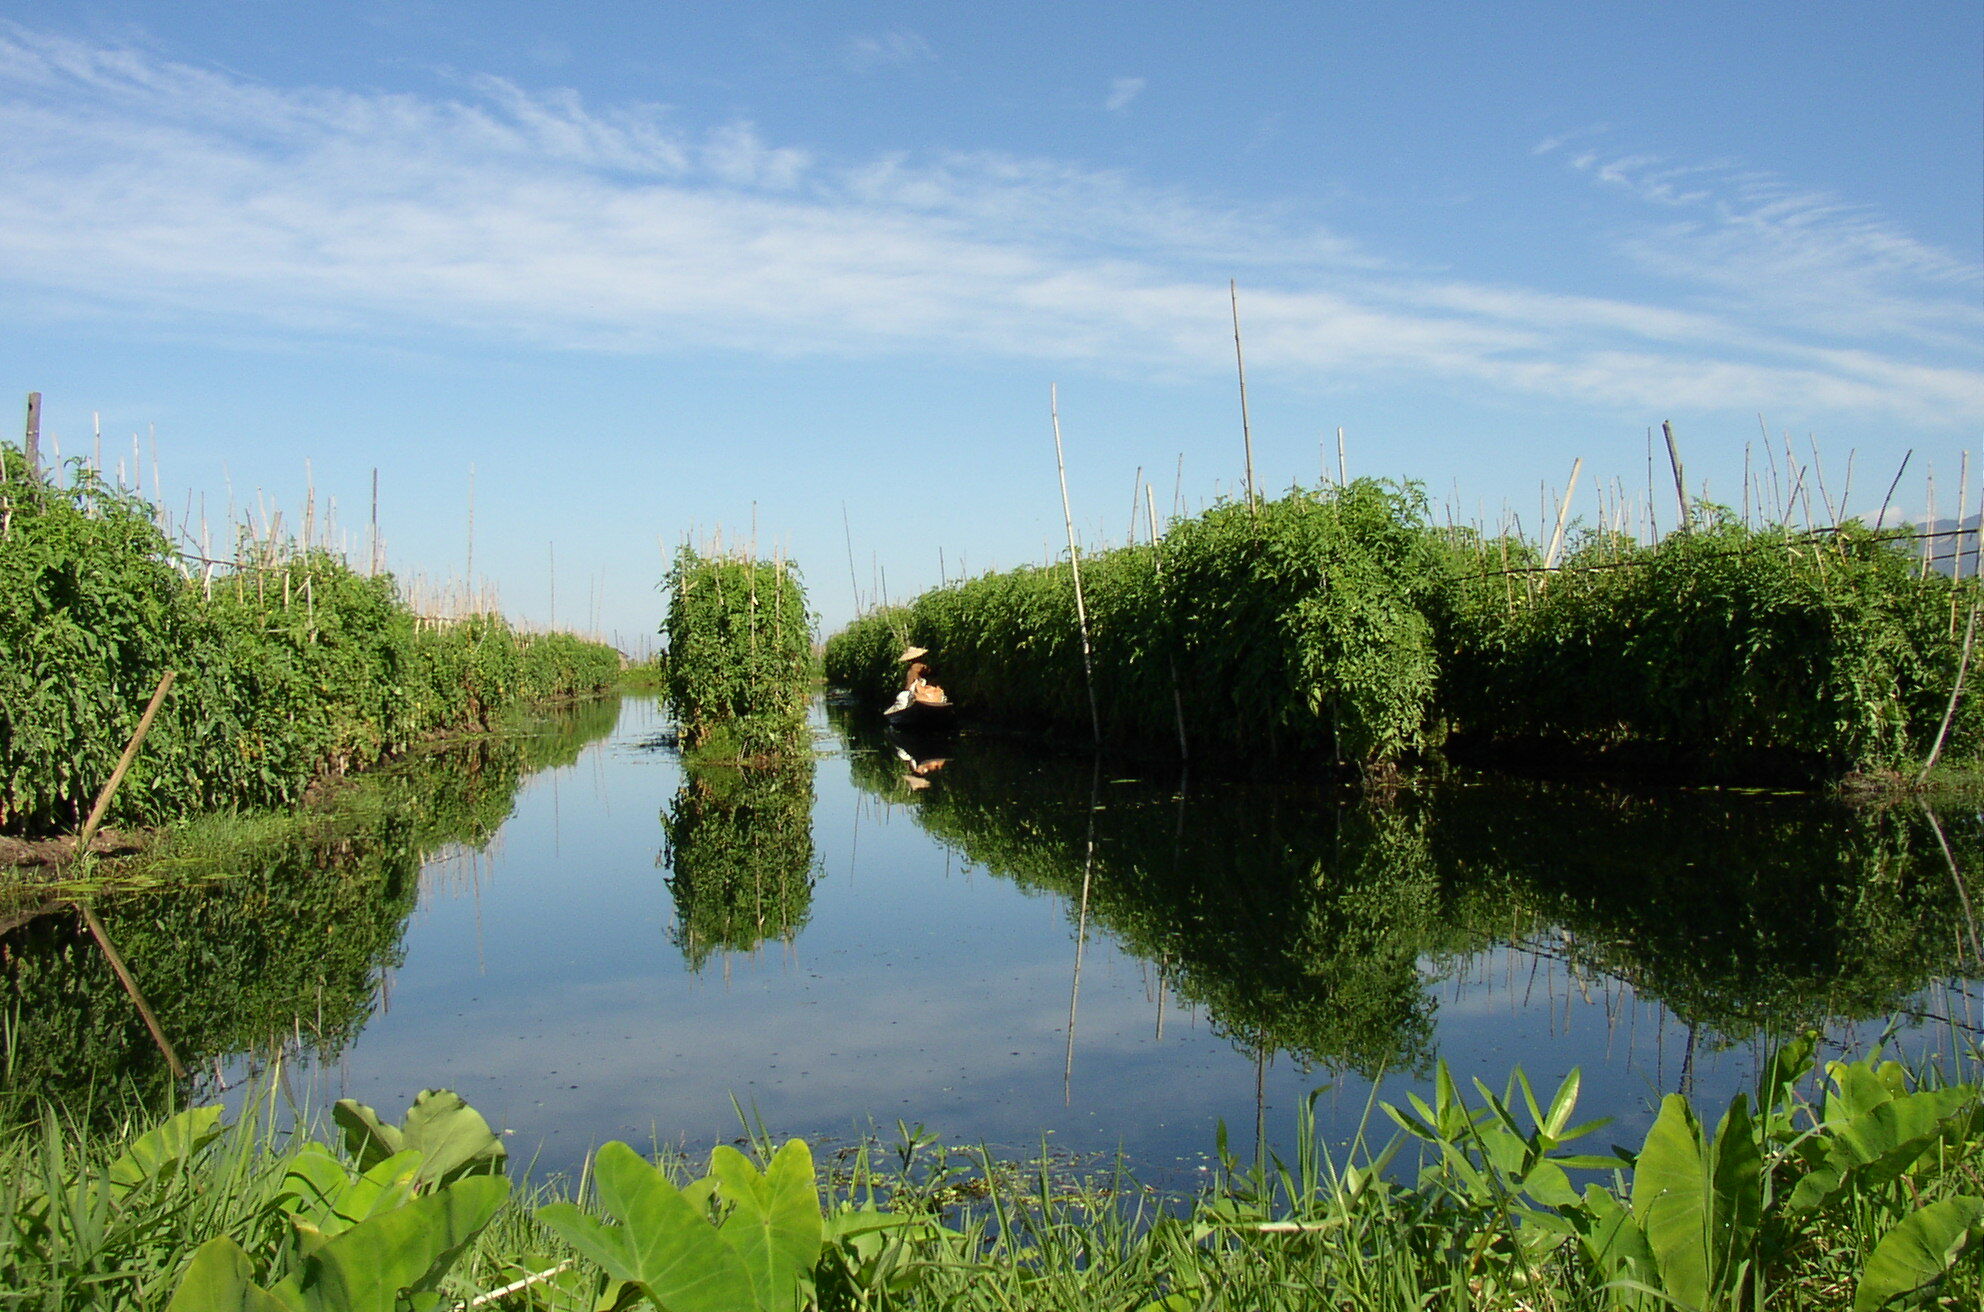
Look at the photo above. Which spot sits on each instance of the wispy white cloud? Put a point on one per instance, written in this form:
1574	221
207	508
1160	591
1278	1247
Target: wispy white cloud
867	53
143	187
1122	90
1747	241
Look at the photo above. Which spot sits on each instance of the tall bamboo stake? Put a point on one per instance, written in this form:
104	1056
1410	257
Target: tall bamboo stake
1680	483
1171	658
1074	562
83	845
1962	508
1563	510
1342	471
1956	691
1881	518
1240	360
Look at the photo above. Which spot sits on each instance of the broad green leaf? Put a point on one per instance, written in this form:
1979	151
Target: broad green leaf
1671	1201
366	1137
1613	1240
663	1244
164	1148
1919	1250
220	1278
1881	1142
452	1137
1736	1176
775	1225
405	1250
325	1200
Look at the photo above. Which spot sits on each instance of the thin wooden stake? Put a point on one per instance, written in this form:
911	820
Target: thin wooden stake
1563	510
1240	361
1881	518
33	445
123	763
1171	658
1074	562
1956	691
82	845
1680	483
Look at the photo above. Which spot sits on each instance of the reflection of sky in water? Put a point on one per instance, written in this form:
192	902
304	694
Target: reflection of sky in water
540	982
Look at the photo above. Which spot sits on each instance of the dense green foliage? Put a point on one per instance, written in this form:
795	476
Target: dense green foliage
289	663
1720	643
1745	916
739	855
1343	625
272	934
1862	1193
740	651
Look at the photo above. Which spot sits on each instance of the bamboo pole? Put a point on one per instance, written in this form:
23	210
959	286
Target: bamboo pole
1880	519
1680	483
123	763
1240	361
32	445
1342	470
1171	658
1075	563
1563	510
95	927
1956	691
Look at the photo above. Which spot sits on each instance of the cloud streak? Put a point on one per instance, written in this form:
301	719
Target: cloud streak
143	187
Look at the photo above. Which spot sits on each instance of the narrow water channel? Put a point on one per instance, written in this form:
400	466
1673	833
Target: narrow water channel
1013	947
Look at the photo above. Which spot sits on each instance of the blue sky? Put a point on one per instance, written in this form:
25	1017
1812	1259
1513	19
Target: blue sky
658	269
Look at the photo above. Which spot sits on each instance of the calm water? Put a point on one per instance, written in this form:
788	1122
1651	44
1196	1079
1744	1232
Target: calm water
1014	947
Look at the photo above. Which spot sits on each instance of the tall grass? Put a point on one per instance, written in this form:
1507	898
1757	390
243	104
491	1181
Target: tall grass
290	663
1344	626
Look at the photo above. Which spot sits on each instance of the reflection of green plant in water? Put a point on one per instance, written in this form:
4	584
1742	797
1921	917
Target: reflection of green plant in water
740	855
1737	912
1306	926
1295	932
281	936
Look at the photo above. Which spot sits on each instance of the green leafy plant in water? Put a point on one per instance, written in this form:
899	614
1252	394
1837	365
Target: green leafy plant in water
740	651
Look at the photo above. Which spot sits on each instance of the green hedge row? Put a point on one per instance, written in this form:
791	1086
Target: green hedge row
287	668
1343	625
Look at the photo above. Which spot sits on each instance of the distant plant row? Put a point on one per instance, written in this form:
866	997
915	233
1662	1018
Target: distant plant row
1344	625
289	663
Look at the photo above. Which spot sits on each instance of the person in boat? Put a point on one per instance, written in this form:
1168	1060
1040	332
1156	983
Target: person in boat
916	670
916	677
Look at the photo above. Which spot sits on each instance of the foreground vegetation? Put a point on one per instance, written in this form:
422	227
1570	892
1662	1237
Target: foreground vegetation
739	660
1868	1197
290	664
1344	625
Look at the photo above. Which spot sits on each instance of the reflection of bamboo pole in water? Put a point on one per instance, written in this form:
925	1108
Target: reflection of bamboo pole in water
1261	1103
1949	859
1687	1089
1081	937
